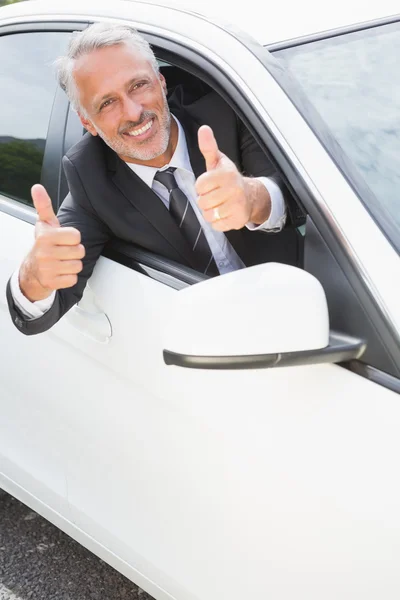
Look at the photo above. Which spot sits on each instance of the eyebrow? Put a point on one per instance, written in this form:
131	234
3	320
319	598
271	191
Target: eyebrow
97	103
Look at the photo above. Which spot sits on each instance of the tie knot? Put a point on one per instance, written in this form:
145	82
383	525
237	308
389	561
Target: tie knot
167	178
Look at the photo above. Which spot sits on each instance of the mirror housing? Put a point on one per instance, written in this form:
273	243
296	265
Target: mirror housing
262	316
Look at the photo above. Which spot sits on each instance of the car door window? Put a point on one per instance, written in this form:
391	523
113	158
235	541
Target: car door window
28	85
353	82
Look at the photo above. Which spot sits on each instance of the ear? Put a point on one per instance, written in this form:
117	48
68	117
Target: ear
87	124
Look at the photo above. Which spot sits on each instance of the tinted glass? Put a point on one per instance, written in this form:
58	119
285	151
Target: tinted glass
28	84
353	81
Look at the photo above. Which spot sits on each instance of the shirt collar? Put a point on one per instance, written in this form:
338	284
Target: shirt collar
180	160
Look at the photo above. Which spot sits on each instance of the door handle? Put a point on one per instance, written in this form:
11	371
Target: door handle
94	325
89	319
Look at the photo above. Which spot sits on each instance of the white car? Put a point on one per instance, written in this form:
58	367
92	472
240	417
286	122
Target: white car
236	437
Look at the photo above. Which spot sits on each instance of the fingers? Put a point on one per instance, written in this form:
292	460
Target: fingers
227	223
221	187
68	252
70	267
58	236
229	192
44	208
211	180
212	200
55	275
56	256
55	268
54	261
64	281
222	215
209	147
225	210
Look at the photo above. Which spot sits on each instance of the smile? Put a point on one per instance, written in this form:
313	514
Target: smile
142	130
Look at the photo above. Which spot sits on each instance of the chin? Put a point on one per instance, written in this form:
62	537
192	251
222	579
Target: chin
149	153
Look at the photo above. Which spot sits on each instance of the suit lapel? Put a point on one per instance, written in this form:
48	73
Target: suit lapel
149	205
190	127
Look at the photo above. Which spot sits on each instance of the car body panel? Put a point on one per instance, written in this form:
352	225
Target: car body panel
183	481
201	485
285	21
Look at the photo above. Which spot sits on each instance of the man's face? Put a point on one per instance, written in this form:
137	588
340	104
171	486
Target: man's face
124	101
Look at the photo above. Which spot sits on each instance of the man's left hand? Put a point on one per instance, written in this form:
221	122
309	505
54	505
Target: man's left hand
228	200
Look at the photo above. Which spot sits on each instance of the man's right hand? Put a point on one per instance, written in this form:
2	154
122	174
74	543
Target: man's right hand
55	259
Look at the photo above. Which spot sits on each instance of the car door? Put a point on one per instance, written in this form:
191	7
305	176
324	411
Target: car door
211	484
31	423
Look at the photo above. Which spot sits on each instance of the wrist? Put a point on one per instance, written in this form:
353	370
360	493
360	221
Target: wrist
30	287
259	199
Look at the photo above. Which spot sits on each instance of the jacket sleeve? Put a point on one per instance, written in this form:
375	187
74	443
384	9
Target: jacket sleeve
76	211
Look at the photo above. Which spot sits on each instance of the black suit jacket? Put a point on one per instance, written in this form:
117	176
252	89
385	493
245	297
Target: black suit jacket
107	200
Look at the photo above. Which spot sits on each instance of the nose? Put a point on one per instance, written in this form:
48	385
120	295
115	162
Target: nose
132	110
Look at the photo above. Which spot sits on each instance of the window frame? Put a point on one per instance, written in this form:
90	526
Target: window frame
50	172
190	59
182	56
316	123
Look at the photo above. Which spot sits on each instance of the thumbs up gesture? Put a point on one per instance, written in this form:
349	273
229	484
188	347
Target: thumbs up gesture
56	256
227	199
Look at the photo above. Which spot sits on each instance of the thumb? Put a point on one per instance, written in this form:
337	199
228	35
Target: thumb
44	208
209	147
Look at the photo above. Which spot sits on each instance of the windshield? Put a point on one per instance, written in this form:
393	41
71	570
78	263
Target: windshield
353	81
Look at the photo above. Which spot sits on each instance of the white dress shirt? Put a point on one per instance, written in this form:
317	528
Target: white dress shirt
224	254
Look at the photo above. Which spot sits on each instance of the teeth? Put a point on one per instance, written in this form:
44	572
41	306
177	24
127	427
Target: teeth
141	130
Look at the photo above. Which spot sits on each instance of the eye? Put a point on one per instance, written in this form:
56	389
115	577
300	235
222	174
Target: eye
138	85
106	103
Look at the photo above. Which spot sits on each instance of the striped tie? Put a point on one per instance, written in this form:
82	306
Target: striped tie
182	212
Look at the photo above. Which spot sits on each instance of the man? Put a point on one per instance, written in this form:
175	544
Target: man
133	177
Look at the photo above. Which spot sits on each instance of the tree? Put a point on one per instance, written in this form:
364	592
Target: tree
20	167
5	2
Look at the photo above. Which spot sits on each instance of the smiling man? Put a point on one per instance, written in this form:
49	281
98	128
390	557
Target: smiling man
180	177
130	113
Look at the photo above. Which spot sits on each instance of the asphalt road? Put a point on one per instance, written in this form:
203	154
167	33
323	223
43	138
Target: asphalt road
39	562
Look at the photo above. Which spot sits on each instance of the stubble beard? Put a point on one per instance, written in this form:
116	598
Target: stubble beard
144	152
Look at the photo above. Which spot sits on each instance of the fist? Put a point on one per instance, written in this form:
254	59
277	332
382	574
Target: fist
56	256
222	189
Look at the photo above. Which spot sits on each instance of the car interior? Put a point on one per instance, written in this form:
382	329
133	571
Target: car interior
315	256
137	258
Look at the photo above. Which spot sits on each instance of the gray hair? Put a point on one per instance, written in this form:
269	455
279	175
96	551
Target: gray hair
96	36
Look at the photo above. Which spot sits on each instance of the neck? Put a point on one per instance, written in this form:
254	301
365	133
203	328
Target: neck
163	159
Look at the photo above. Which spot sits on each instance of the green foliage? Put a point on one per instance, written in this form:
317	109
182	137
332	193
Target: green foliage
20	167
5	2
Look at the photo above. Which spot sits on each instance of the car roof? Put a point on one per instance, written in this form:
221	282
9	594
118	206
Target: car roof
278	21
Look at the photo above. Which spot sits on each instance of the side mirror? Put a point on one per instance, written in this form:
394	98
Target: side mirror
269	315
